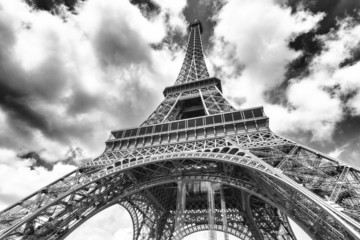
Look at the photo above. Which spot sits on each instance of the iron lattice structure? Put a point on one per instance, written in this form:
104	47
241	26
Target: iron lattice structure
199	164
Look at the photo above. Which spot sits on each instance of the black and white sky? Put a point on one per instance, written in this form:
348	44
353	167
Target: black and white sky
73	70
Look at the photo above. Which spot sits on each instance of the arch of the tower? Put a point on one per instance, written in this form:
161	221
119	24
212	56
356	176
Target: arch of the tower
239	231
237	223
148	187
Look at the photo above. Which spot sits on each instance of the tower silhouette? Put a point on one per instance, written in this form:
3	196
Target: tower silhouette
199	164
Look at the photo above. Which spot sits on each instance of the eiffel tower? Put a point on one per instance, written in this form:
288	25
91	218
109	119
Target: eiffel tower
197	164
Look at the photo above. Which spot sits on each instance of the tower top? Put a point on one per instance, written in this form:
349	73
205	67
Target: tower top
196	23
194	67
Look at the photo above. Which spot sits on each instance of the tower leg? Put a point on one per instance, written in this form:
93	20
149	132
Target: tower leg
245	199
180	206
223	212
211	211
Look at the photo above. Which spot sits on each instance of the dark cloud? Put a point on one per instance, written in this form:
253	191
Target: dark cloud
18	98
15	98
147	7
74	156
51	99
81	102
22	91
140	103
205	11
118	44
309	43
37	160
335	11
17	104
52	5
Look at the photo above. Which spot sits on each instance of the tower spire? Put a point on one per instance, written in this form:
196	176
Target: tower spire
193	67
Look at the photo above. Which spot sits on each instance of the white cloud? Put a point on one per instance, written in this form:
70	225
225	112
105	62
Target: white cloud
336	153
253	58
174	10
338	45
310	109
259	43
8	156
316	101
21	181
347	78
87	75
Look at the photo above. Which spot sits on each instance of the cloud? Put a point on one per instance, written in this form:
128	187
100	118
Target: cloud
20	180
309	109
53	6
74	156
67	81
173	11
308	42
254	59
253	56
126	37
336	153
319	101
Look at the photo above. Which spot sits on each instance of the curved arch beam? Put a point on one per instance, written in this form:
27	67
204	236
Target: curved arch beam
239	233
248	160
186	229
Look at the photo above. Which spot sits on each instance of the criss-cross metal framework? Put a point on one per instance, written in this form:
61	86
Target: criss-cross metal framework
199	164
194	67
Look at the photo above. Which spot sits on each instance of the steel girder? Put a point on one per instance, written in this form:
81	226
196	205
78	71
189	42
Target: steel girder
212	102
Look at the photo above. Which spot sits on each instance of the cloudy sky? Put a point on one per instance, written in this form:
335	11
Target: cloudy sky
73	70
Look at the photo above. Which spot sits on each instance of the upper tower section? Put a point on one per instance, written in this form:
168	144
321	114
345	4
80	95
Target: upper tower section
193	67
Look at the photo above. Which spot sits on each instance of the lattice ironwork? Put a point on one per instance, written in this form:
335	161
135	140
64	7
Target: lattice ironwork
199	164
194	67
